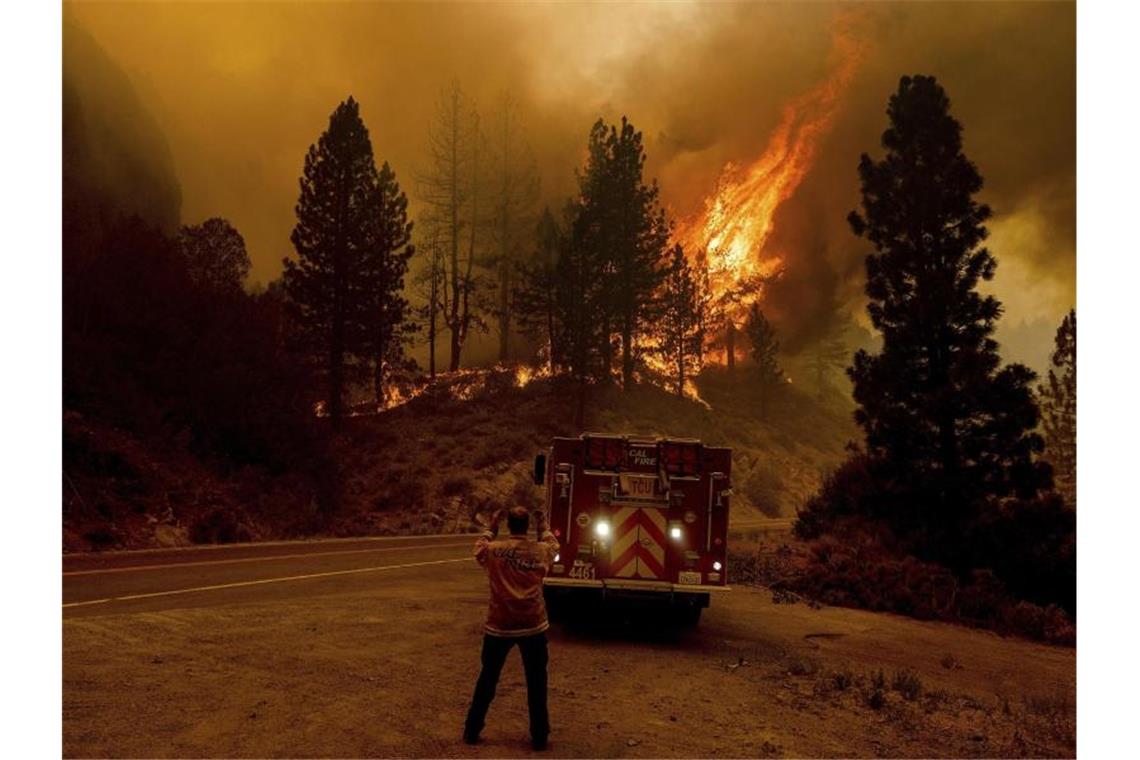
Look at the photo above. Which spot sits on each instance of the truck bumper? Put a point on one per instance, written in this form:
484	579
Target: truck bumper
646	591
648	586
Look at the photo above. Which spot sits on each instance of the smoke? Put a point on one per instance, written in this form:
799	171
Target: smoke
241	90
115	158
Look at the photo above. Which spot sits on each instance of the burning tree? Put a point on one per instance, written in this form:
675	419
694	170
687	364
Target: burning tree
680	328
351	241
1059	409
945	427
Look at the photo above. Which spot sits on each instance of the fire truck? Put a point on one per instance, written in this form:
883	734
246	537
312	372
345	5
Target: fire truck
638	521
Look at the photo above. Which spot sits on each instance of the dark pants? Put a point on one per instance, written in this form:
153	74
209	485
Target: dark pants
534	657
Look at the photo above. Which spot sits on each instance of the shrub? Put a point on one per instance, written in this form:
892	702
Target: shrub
803	666
218	527
764	487
456	485
908	684
847	492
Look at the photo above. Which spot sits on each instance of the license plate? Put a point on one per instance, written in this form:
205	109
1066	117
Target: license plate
689	578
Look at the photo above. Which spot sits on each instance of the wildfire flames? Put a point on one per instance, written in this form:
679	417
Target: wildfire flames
732	232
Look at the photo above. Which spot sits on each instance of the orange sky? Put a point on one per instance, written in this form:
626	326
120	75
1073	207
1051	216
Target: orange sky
240	90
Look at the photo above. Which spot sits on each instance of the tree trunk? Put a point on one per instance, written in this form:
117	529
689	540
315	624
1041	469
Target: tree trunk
378	380
627	353
550	332
453	322
730	346
504	305
607	350
580	416
433	309
681	374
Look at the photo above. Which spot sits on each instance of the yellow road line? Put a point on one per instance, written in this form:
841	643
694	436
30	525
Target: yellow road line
263	581
167	565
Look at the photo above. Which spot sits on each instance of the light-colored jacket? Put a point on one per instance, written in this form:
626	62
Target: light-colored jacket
515	568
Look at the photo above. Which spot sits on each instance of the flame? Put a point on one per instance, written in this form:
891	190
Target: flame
732	232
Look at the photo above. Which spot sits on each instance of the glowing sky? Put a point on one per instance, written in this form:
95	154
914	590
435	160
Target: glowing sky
241	90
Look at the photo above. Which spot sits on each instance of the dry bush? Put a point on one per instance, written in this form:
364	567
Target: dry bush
803	666
908	684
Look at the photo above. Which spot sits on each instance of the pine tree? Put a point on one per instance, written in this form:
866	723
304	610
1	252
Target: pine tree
385	264
949	428
765	349
335	238
513	181
679	329
429	282
1059	409
535	286
215	254
622	226
579	300
829	353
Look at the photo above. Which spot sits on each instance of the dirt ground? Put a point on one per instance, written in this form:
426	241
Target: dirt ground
371	667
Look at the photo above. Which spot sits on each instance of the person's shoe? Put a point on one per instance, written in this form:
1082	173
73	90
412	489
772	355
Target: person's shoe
470	738
538	744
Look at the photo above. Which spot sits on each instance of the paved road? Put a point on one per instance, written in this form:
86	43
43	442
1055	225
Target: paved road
148	580
369	647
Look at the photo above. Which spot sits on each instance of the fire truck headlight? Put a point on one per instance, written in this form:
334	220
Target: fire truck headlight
675	532
717	566
602	529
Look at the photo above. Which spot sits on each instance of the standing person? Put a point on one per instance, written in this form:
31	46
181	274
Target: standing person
515	568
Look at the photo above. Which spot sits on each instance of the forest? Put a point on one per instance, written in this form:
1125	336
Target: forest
197	408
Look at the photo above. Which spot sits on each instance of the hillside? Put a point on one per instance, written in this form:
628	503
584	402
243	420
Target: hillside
461	447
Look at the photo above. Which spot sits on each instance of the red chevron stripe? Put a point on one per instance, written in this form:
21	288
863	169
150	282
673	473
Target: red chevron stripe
625	557
636	550
639	517
629	523
651	562
653	529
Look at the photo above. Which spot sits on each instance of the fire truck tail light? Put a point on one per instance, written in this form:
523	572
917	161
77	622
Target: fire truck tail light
605	453
716	565
675	532
558	556
602	528
681	459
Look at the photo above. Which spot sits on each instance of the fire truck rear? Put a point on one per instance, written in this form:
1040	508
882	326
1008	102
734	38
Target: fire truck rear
638	520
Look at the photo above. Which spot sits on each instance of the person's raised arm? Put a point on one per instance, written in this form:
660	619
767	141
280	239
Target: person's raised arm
487	537
542	527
